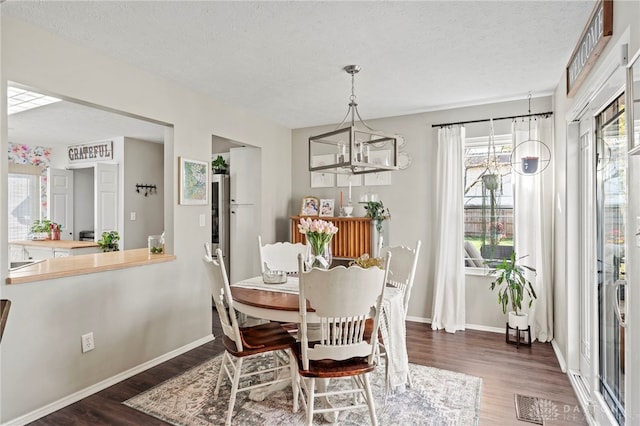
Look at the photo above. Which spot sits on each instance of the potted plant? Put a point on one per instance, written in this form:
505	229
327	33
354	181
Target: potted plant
41	229
529	164
219	166
379	213
511	283
109	241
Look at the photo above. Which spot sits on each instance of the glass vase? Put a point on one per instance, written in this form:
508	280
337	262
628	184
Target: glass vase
319	255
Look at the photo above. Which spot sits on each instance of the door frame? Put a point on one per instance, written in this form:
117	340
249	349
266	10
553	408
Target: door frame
601	89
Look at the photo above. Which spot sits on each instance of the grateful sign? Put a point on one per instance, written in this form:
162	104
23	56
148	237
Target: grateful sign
90	152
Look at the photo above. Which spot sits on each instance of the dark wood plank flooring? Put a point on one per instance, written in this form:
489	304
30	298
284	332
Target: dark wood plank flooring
505	370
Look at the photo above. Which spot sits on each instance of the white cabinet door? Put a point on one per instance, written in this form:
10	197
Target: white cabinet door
243	257
60	202
106	199
244	171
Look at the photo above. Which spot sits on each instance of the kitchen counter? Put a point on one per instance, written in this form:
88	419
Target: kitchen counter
60	244
86	264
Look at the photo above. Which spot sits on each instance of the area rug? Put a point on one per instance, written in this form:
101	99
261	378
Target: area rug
438	397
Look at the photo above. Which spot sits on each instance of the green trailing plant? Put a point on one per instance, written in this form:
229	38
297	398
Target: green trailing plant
219	165
41	225
109	241
377	211
511	283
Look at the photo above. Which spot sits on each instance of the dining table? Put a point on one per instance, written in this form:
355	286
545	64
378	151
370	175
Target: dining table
280	302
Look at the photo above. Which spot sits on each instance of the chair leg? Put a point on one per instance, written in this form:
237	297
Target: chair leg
234	390
311	389
370	403
220	375
293	366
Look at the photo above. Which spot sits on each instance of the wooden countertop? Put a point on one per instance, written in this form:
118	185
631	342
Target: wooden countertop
55	244
86	264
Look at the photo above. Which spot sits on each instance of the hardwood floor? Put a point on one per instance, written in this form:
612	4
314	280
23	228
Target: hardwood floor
504	369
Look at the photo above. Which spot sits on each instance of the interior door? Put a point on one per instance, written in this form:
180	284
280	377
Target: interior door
106	199
60	200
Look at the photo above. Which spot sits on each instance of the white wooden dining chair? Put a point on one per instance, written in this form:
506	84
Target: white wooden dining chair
248	342
402	269
280	256
343	301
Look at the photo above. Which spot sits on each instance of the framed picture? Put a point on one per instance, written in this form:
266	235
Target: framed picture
326	207
380	178
194	182
319	179
343	180
310	206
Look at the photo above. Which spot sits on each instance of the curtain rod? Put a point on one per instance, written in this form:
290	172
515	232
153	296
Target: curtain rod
545	114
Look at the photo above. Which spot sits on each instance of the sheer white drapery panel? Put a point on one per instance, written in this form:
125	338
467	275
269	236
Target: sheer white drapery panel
533	223
449	283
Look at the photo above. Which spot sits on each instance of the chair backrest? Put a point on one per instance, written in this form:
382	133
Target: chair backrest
343	300
221	294
5	305
402	270
280	256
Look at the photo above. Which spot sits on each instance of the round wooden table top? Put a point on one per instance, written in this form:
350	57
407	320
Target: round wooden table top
266	299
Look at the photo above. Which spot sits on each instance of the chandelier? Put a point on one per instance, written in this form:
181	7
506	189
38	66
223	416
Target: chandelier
353	150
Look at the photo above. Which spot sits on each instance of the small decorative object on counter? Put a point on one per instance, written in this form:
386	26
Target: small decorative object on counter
319	234
156	245
109	241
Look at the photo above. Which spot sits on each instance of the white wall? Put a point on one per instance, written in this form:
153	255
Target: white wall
410	195
83	205
143	164
136	314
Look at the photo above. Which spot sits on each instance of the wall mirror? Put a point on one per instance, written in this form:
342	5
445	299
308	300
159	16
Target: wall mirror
39	139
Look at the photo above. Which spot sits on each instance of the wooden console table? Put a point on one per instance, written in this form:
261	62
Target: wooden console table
352	240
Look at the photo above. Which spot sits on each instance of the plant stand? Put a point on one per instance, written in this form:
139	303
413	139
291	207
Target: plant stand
521	337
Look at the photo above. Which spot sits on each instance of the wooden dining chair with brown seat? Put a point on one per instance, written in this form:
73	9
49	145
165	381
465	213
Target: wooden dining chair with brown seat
341	301
249	342
5	305
280	256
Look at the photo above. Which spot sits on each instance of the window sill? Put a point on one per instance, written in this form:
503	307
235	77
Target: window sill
86	264
476	271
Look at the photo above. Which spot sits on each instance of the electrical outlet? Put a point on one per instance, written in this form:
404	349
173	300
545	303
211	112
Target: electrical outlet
87	342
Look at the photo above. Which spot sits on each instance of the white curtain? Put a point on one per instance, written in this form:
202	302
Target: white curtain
533	202
448	293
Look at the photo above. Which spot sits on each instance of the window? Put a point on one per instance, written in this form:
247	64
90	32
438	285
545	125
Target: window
488	201
23	203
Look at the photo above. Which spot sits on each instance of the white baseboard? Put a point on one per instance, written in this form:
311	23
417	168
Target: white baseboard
419	319
480	327
560	358
81	394
469	326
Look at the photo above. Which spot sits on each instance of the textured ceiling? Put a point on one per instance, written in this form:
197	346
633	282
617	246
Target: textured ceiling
283	60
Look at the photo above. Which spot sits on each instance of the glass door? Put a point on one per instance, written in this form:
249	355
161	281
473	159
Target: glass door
611	207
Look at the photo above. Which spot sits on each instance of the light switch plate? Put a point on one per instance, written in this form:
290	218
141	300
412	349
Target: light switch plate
132	216
202	220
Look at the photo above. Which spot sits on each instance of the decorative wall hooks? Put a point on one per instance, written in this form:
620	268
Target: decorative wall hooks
148	189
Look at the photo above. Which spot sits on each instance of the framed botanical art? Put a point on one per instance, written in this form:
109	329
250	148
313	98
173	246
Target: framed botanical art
326	207
382	157
310	206
319	179
194	182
